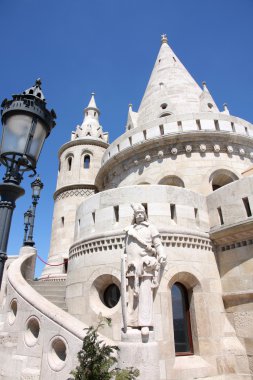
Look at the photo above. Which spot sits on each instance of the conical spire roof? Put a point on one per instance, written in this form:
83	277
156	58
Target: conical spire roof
170	90
92	103
90	126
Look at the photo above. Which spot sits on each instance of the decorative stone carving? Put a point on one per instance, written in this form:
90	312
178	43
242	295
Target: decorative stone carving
174	151
144	256
202	148
241	152
230	149
216	148
136	162
75	193
160	154
188	148
147	158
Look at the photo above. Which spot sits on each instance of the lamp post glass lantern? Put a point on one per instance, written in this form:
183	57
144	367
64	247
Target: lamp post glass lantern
26	124
29	216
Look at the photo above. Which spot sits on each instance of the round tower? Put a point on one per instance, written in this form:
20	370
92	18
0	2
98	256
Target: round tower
79	162
194	158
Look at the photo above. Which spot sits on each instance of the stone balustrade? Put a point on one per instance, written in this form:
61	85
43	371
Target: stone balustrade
171	125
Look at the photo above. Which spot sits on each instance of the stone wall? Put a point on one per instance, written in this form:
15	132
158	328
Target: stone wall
191	149
41	339
95	264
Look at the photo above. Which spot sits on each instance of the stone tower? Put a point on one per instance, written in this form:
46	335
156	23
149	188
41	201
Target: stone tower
79	162
187	167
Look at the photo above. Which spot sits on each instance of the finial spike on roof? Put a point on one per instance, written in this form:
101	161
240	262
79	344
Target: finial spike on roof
35	90
164	39
225	109
204	86
92	103
130	106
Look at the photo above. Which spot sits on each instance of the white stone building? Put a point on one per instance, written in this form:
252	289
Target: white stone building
189	165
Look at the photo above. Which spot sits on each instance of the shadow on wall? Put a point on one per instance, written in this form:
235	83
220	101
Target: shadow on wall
222	177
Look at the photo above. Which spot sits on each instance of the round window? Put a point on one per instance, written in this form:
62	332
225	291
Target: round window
32	331
57	354
13	311
111	295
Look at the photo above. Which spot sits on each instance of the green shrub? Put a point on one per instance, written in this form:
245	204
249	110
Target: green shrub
97	360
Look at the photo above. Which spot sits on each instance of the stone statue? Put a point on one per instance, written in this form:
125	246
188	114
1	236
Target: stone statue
144	256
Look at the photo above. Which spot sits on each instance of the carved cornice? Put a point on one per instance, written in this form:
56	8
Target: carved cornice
116	242
229	235
74	190
171	146
82	141
237	298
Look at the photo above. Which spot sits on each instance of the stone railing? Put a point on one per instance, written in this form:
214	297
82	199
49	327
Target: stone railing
170	208
42	330
171	125
230	211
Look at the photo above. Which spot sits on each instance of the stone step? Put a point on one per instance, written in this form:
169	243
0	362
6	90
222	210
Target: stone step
59	284
52	291
48	290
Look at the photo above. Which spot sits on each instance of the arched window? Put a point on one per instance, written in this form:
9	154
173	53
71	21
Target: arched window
222	177
171	180
86	161
69	163
181	320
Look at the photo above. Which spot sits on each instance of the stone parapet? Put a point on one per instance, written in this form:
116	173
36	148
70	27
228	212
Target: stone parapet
230	212
168	207
173	124
42	338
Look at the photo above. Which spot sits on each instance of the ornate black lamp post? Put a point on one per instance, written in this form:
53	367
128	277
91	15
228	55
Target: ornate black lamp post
29	216
26	124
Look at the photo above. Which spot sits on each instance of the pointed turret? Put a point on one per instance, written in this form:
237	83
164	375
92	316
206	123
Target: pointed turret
225	109
171	89
90	125
131	118
207	104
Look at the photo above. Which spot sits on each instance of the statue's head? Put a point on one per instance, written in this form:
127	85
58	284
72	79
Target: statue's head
139	213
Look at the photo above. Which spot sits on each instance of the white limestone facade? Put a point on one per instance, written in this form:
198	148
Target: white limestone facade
190	166
79	162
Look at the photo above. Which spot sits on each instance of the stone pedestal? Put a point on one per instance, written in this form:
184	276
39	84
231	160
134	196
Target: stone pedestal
141	353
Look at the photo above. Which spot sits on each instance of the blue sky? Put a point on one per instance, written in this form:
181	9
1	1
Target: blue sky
79	46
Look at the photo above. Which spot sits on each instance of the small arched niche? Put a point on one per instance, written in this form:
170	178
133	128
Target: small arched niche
222	177
69	161
171	180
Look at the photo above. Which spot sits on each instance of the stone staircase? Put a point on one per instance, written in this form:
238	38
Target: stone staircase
54	291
